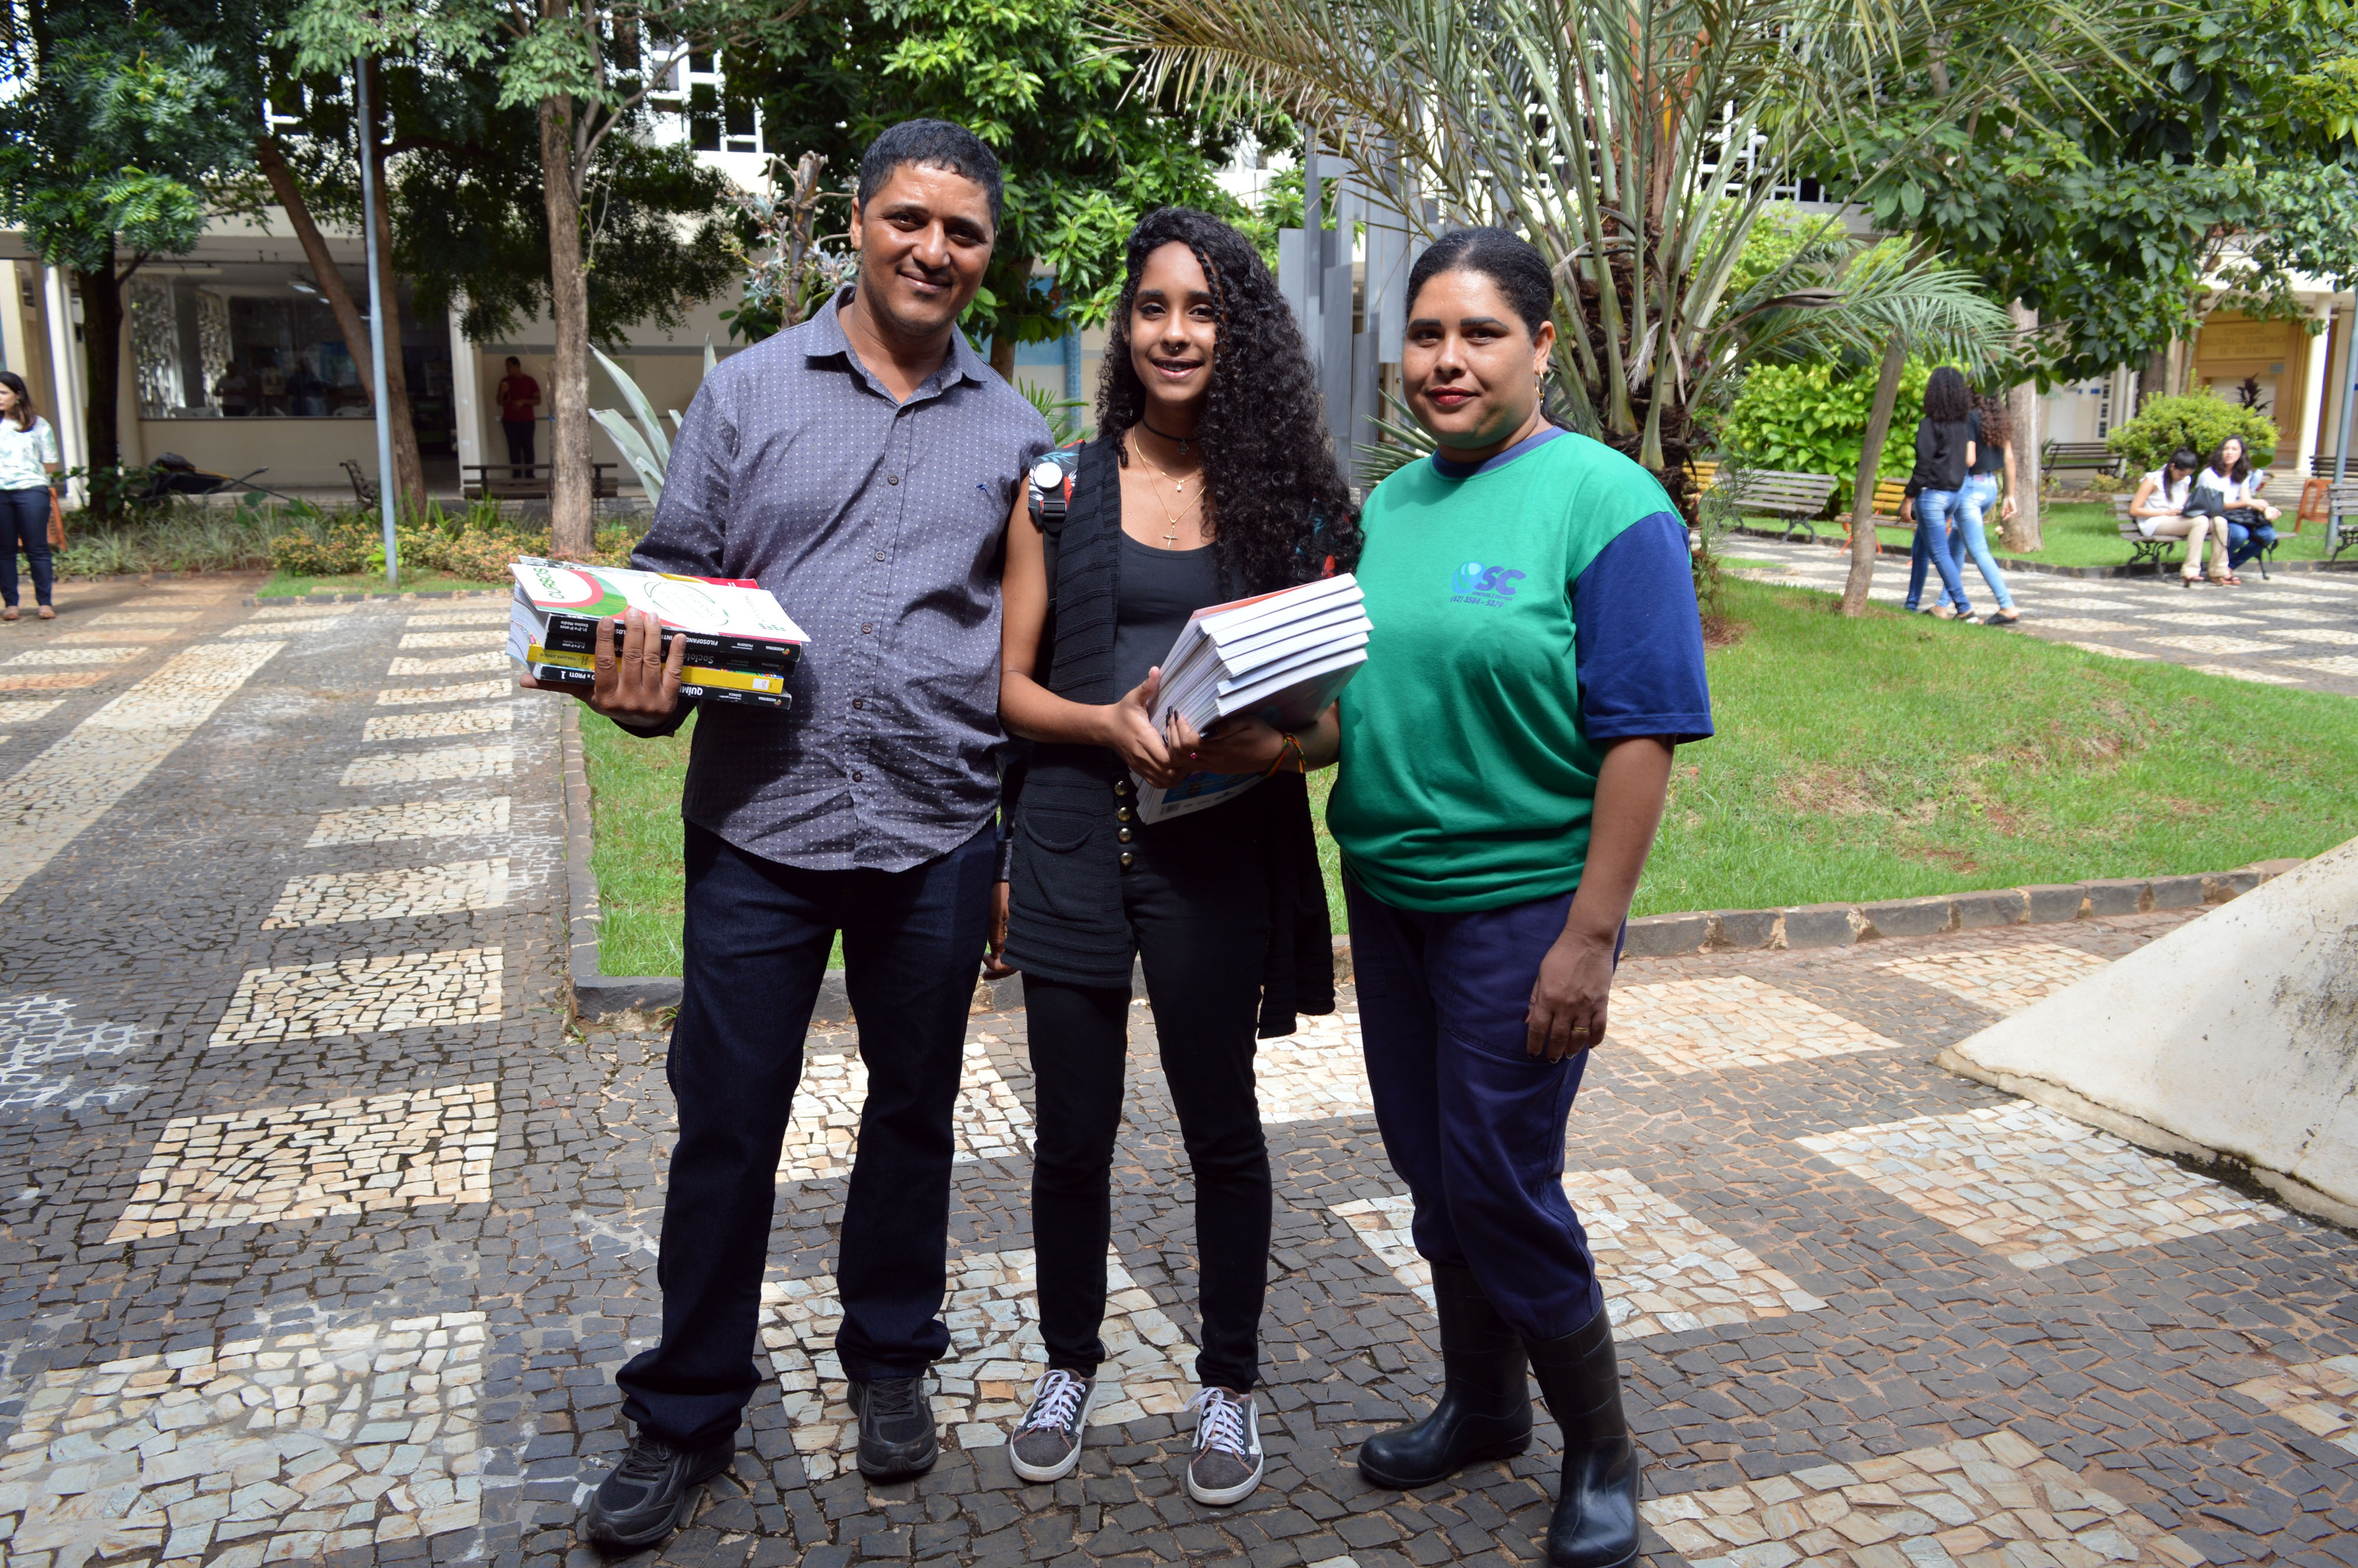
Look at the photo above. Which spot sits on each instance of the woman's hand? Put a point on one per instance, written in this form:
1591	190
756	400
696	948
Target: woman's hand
1130	729
994	966
1239	745
2008	508
1568	1002
633	681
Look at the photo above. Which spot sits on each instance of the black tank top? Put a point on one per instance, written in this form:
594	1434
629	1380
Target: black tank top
1158	591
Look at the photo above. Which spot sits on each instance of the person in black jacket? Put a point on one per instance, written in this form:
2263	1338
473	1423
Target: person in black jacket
1209	479
1945	454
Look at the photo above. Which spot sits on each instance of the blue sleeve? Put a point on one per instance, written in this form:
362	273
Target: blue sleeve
1638	635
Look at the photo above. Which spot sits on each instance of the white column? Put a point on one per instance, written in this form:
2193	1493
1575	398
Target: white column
13	347
466	392
2312	402
65	378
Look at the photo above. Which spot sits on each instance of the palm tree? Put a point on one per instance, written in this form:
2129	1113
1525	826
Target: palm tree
1638	144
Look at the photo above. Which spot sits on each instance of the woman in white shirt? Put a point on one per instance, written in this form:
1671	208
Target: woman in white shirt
28	456
2250	521
2159	508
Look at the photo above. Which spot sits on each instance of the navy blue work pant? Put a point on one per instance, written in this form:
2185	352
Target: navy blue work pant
757	935
24	520
1471	1122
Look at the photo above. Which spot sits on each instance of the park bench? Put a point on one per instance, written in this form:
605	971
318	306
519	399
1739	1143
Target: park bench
498	481
2157	549
2082	457
362	490
1798	498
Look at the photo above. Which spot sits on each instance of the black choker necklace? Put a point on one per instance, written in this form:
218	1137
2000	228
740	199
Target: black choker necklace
1184	441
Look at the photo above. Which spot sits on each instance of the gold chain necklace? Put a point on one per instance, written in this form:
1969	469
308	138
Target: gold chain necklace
1179	487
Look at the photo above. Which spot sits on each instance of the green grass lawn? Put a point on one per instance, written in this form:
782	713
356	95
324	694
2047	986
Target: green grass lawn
283	585
1886	757
2085	534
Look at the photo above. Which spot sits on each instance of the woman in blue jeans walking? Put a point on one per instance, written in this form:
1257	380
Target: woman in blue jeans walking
1991	430
28	456
1944	452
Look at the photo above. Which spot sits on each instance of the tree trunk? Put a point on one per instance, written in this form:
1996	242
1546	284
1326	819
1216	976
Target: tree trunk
409	471
101	339
2154	381
2021	532
571	504
1002	357
1870	462
410	480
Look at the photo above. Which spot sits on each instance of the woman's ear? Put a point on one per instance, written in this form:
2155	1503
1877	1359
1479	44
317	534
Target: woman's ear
1543	347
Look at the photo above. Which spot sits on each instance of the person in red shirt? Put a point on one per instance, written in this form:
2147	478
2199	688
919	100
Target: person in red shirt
518	396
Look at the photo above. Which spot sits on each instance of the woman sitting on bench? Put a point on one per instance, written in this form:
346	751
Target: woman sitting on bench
2250	521
2159	508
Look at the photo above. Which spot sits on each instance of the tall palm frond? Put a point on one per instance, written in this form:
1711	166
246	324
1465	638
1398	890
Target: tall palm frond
1636	143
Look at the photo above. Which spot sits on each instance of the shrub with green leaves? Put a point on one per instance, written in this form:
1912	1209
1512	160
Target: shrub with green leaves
1811	419
332	550
2199	423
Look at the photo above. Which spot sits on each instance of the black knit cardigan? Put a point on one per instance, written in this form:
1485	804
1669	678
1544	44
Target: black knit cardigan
1061	796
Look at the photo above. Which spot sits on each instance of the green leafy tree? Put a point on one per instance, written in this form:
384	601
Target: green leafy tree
1085	149
585	70
2199	423
113	132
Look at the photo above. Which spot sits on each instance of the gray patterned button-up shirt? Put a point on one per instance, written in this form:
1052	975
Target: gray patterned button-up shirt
879	526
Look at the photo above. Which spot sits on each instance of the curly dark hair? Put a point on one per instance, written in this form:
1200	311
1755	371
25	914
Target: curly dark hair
1997	419
1947	398
1279	507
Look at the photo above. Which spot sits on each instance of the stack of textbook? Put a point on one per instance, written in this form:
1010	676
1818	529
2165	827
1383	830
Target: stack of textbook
741	645
1280	658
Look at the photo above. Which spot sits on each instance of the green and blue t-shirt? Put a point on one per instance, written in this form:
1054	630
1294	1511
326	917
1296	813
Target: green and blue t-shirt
1528	610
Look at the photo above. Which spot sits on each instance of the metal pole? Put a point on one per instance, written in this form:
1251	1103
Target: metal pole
376	327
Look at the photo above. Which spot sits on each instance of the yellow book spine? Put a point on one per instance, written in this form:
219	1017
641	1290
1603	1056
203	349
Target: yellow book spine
693	675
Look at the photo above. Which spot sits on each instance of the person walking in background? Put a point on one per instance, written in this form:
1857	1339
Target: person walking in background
518	396
2250	519
1991	430
2159	509
1944	455
1210	479
1536	657
865	466
29	466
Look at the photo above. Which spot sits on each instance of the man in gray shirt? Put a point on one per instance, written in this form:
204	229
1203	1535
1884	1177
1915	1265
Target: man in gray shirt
863	467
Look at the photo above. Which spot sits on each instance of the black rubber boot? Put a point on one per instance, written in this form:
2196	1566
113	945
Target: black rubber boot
1596	1521
1485	1411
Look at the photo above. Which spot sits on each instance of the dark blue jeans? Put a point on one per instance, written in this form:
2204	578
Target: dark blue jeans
1474	1124
757	935
25	515
2245	542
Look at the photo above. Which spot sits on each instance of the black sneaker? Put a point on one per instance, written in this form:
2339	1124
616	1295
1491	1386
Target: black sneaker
896	1428
651	1492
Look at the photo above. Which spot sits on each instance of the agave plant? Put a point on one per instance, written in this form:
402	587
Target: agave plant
641	438
1636	143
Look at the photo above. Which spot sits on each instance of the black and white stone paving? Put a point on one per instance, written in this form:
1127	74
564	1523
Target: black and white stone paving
322	1231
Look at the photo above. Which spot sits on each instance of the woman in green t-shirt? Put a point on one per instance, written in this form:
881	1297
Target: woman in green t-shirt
1536	657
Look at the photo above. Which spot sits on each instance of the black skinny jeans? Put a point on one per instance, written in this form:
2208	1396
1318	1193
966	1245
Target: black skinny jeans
1201	922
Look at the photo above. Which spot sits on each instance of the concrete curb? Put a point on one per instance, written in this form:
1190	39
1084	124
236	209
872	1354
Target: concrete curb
2045	568
255	601
1845	924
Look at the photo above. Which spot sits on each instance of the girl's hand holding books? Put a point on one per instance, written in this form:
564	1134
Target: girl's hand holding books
1129	730
1239	745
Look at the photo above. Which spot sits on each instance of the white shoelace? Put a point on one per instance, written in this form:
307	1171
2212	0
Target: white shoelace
1222	1424
1055	1398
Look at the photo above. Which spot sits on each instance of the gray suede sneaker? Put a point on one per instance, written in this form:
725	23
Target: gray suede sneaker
1227	1463
1048	1441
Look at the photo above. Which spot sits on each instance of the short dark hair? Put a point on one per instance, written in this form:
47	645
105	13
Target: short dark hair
934	144
513	360
1503	257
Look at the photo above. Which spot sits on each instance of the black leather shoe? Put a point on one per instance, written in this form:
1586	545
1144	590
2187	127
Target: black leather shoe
1485	1411
651	1492
1596	1519
896	1428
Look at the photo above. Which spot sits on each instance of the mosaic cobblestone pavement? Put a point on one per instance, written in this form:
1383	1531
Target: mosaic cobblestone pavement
322	1233
2293	629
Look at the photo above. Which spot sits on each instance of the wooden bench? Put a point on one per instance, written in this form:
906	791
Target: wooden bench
500	483
2081	456
1798	498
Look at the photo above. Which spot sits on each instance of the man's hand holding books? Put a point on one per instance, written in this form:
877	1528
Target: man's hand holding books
635	682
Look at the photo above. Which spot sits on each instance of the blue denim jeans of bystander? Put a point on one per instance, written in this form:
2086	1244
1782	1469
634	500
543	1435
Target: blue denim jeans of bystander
1933	508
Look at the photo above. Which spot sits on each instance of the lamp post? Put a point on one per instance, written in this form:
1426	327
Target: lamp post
376	326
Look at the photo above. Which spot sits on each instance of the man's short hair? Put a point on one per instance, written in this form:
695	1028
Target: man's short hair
934	144
513	360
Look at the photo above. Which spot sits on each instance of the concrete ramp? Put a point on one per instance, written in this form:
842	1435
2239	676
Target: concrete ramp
2234	1039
